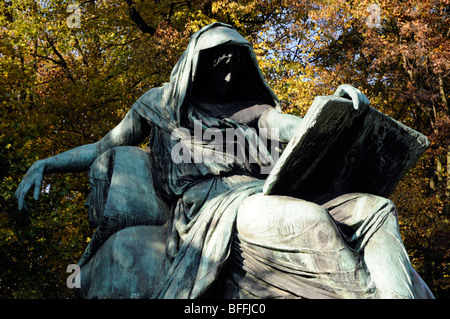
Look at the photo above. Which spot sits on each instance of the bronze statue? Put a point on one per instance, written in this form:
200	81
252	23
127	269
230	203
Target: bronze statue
193	208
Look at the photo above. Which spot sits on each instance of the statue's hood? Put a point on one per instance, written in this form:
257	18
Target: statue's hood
184	72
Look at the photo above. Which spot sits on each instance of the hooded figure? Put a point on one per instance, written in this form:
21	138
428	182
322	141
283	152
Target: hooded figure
211	147
205	179
177	107
209	192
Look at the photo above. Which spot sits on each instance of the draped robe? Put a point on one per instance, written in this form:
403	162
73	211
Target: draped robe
207	192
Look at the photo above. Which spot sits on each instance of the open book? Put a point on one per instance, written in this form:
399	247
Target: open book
338	149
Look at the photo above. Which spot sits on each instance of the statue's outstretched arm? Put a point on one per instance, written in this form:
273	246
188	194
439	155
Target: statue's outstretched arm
131	131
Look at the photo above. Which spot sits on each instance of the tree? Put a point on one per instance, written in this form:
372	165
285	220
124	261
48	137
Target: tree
64	84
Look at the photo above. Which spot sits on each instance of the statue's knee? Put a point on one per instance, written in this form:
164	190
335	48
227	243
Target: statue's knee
385	211
99	175
391	224
286	223
384	204
279	215
368	204
121	183
103	165
390	206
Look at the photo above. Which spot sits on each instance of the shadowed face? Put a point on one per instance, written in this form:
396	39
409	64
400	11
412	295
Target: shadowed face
219	69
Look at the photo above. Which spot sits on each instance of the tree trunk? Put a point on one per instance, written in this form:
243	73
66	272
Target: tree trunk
443	96
447	190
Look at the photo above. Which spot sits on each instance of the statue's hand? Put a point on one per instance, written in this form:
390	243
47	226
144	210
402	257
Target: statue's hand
33	178
360	101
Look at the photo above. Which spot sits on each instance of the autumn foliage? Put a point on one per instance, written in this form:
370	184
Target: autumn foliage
68	76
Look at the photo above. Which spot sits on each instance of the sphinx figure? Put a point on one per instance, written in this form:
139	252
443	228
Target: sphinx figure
189	218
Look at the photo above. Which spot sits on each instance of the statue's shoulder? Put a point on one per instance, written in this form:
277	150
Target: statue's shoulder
152	95
153	105
151	99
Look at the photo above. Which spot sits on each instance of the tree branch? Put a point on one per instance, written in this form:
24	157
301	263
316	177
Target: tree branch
138	20
442	92
61	59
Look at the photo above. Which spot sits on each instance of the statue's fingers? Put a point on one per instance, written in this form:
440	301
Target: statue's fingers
37	188
355	98
24	205
363	100
21	201
19	196
359	99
